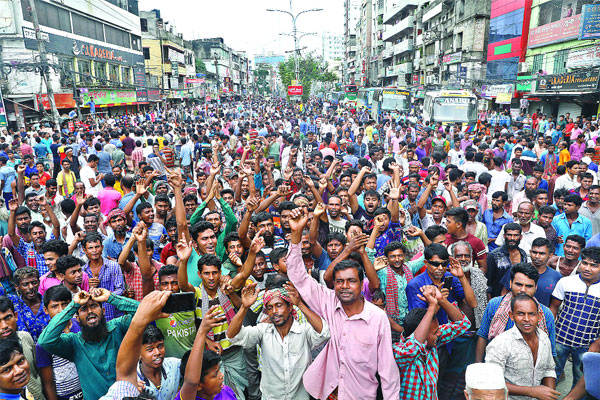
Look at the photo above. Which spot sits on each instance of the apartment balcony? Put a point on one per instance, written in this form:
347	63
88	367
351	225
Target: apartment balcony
389	52
400	69
394	10
393	31
391	71
419	41
403	47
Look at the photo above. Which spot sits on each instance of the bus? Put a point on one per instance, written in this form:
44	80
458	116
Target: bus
390	99
450	107
350	93
333	97
365	98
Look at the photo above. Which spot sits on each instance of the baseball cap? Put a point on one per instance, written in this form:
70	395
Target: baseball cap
440	198
470	204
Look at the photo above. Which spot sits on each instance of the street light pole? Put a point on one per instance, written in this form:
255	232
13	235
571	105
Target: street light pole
295	34
216	58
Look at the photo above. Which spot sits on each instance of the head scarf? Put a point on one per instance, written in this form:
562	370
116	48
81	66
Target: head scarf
279	292
417	163
478	187
115	212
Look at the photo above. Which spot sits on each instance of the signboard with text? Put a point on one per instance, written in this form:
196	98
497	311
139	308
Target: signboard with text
452	58
194	80
590	22
3	119
62	100
489	91
104	97
554	32
572	81
295	90
584	58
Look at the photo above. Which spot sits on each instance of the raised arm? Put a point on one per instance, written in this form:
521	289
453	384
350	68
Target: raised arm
238	281
311	317
53	219
184	251
251	206
144	261
431	187
12	221
457	271
358	181
20	183
315	247
183	229
393	205
249	296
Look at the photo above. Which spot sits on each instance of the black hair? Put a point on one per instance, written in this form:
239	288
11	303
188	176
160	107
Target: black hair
169	269
91	237
152	335
434	231
230	237
378	295
577	239
209	259
91	201
261	217
436	249
513	226
277	254
521	297
200	227
354	222
593	253
541	242
141	207
36	224
459	215
22	210
346	264
393	246
526	269
209	360
412	320
8	347
149	245
57	246
371	193
65	262
5	305
109	180
485	178
286	205
162	198
574	198
560	192
57	293
275	281
500	194
547	210
382	210
336	236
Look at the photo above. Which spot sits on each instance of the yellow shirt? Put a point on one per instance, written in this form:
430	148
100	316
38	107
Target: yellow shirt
117	187
369	132
70	181
564	157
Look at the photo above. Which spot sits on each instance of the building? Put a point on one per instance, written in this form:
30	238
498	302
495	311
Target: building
230	68
266	74
169	61
332	46
365	28
399	33
94	45
351	17
563	56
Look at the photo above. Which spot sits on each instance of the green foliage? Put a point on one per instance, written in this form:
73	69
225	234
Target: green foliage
311	70
200	66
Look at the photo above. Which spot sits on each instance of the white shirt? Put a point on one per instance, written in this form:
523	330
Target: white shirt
499	181
284	361
534	232
85	174
566	182
456	157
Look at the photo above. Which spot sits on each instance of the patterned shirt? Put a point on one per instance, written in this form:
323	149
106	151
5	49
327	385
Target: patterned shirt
111	279
419	365
133	279
392	234
578	323
28	252
112	247
28	321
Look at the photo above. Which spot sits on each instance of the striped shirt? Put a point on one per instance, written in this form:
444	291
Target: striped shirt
219	331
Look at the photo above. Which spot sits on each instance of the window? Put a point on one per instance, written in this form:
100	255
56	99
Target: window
560	61
113	73
505	69
507	26
116	36
87	27
538	63
458	42
146	51
144	24
100	72
125	75
84	68
136	42
66	68
48	15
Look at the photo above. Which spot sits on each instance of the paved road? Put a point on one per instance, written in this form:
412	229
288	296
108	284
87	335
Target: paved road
565	386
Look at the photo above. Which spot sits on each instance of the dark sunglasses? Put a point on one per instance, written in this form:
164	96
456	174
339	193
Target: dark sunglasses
437	264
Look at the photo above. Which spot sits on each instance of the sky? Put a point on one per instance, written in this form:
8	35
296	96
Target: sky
247	26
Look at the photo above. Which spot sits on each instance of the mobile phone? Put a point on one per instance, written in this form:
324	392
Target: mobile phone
447	283
180	302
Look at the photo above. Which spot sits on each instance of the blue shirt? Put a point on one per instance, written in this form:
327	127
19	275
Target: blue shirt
113	248
41	150
490	311
494	227
8	175
545	285
582	226
28	321
413	289
104	166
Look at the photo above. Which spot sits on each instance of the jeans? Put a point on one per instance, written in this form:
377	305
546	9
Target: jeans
591	361
562	353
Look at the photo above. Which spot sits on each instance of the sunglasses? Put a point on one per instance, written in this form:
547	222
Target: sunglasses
437	264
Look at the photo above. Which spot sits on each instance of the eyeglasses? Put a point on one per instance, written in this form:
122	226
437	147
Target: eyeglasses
437	264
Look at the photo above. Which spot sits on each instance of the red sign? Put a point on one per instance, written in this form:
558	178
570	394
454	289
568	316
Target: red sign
63	100
71	126
561	30
295	90
415	79
194	80
207	98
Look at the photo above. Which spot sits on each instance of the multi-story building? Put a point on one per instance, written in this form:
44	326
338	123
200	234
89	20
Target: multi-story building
229	67
364	42
351	16
332	46
266	76
94	45
168	63
399	33
563	54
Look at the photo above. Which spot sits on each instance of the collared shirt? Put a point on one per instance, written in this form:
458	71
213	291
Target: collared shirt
498	262
358	350
566	182
413	289
134	280
582	226
27	320
527	238
515	185
94	361
513	354
494	226
169	383
419	365
594	217
112	247
517	199
283	360
28	252
111	279
401	284
492	308
392	234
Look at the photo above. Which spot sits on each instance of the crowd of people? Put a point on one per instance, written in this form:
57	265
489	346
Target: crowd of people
269	250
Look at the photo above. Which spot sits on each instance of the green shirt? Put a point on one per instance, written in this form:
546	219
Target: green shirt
179	330
95	362
230	220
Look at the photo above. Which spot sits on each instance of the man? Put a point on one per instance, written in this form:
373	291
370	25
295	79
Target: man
590	208
9	332
578	298
34	186
524	353
571	222
517	181
156	231
93	349
457	219
15	382
417	355
524	278
66	179
573	246
545	216
109	197
568	181
91	180
103	273
361	331
485	381
278	338
113	244
501	259
28	302
524	195
7	177
495	218
529	231
586	179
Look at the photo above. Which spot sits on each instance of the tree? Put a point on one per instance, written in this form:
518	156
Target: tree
200	66
311	70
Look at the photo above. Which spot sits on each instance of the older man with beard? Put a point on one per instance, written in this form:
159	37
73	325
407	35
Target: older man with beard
113	244
525	195
529	231
94	349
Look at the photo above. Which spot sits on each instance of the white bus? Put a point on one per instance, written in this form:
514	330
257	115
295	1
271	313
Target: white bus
450	107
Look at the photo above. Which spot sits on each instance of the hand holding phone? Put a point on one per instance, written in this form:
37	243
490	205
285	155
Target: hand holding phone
180	302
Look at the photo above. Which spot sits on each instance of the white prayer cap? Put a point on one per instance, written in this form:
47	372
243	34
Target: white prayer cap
484	376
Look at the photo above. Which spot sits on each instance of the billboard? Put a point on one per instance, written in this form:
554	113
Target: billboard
554	32
295	90
572	81
590	22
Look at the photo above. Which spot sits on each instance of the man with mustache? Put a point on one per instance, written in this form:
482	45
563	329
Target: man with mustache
28	302
495	218
278	338
529	230
525	195
571	222
113	244
501	259
93	349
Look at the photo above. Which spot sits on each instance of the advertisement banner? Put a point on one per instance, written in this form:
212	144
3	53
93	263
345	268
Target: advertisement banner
295	90
153	95
559	31
584	58
572	81
490	91
62	100
194	80
452	58
3	119
590	22
105	97
503	98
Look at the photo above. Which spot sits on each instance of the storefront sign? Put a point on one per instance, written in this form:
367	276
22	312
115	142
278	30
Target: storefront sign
3	119
63	45
106	97
176	56
573	81
153	95
503	98
452	58
295	90
490	91
584	58
524	83
559	31
62	100
590	22
174	68
194	80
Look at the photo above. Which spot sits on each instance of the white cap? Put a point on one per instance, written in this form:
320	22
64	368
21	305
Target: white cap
586	160
485	376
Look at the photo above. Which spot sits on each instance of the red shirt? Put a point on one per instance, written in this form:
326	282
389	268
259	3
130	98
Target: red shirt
479	251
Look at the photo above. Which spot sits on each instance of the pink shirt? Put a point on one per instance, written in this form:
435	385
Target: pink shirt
26	149
360	346
46	282
109	198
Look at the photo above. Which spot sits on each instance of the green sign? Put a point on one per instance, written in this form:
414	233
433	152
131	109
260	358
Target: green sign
524	83
105	97
3	119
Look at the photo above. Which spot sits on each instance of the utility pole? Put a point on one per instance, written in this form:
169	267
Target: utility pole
76	96
44	63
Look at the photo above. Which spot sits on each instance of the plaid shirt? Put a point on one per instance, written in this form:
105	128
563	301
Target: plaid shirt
137	156
133	279
26	248
111	279
419	365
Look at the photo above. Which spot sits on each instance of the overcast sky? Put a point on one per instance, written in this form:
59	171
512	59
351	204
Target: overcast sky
247	26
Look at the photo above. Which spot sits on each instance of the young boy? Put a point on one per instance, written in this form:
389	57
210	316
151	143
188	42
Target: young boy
68	270
52	251
15	371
